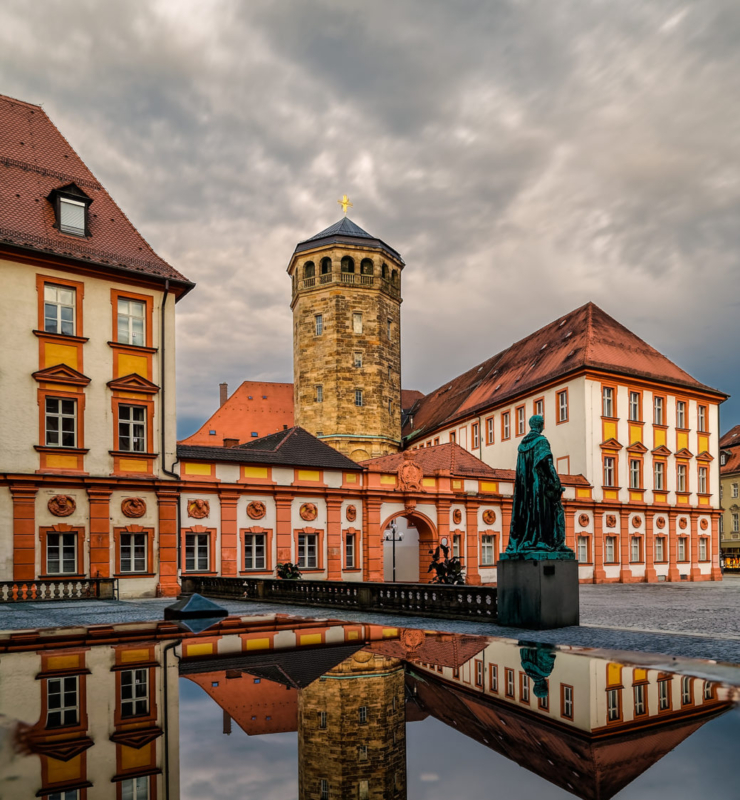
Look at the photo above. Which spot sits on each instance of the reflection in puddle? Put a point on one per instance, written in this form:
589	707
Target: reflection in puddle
95	713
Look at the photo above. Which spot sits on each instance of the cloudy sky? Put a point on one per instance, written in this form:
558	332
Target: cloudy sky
525	156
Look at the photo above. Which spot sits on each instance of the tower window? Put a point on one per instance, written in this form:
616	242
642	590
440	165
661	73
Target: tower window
358	359
366	267
319	320
348	264
390	328
325	266
357	322
384	271
309	269
319	394
358	397
394	276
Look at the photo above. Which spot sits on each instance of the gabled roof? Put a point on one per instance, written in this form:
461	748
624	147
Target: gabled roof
35	160
409	397
294	447
587	338
255	407
732	465
731	438
346	232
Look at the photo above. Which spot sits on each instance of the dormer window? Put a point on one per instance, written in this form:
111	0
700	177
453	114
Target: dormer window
71	209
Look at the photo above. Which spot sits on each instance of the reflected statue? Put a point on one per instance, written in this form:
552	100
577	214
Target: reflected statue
538	661
538	519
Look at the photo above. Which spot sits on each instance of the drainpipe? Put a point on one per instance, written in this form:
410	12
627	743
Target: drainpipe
163	414
480	437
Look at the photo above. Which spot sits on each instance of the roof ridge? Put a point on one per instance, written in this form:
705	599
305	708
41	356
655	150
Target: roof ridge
20	102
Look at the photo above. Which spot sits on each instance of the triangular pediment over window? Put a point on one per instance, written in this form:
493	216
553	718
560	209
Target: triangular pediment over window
705	455
136	738
62	750
637	447
684	452
610	444
71	190
61	373
661	451
133	383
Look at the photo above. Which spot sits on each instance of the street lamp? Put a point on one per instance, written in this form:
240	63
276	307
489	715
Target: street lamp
392	534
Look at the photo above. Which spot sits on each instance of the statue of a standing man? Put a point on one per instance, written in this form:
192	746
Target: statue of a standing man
537	520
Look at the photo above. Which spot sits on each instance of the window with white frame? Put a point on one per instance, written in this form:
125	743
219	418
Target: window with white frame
563	406
702	480
133	552
197	555
635	473
635	407
664	696
735	522
583	549
65	794
60	420
71	216
682	548
607	401
389	328
639	699
659	475
703	550
357	322
489	430
318	324
702	418
680	413
358	397
307	550
456	545
132	428
134	692
539	407
658	404
135	788
319	394
686	692
509	682
478	673
734	490
476	436
349	551
609	477
254	551
363	715
487	551
358	360
610	549
61	553
59	309
612	697
636	549
525	688
721	524
567	710
131	321
324	789
708	690
322	719
520	421
660	548
493	677
681	478
506	425
62	701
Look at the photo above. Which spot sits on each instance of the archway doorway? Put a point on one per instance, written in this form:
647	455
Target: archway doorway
418	536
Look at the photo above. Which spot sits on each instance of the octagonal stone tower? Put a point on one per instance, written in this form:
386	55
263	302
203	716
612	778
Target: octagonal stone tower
347	340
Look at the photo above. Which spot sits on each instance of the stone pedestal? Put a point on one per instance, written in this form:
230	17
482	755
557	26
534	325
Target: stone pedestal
538	594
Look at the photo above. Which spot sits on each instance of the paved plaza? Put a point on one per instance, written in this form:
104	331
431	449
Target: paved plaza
692	620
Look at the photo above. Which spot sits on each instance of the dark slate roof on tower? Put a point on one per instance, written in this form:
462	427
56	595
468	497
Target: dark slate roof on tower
346	232
293	447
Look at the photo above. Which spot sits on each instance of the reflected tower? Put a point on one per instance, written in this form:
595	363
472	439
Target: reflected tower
351	731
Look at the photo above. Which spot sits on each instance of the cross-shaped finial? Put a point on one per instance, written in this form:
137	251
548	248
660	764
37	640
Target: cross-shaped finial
345	204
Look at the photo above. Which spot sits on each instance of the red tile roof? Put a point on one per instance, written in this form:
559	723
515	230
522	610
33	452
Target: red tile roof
585	338
732	465
731	438
35	159
255	407
409	397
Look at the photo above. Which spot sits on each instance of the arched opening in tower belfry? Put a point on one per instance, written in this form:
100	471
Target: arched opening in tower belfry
418	536
366	267
384	271
309	269
348	264
325	266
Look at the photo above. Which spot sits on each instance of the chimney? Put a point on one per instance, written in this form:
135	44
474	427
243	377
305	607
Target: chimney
230	442
223	392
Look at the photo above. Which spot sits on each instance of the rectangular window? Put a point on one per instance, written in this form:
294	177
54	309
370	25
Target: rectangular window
612	697
734	489
658	411
322	719
487	551
721	523
389	328
702	480
664	697
307	551
635	473
196	552
686	691
134	788
703	549
583	549
358	397
567	705
539	408
59	309
506	425
71	216
735	522
562	406
478	673
61	553
493	677
702	415
363	790
660	549
131	321
609	471
132	428
509	682
682	548
635	548
476	436
610	549
349	551
362	753
680	414
319	394
134	692
254	551
357	322
635	407
681	478
456	545
358	360
363	715
489	430
544	702
520	421
452	437
319	323
62	697
61	422
524	688
709	691
133	552
659	475
607	401
324	789
639	699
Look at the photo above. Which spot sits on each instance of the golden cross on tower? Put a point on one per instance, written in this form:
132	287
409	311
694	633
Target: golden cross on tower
345	204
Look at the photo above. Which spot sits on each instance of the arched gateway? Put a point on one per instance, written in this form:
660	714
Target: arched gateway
416	535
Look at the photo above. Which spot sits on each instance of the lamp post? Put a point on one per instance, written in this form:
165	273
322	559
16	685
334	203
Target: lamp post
392	534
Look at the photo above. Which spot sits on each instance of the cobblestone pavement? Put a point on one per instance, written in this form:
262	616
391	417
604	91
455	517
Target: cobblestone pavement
696	620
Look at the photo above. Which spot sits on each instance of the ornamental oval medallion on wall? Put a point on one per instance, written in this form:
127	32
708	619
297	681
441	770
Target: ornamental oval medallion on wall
660	522
133	507
62	505
682	523
636	521
611	521
351	513
199	509
309	512
489	516
457	516
704	523
256	509
583	520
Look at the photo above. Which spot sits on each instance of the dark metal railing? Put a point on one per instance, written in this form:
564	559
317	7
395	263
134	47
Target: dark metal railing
418	599
57	589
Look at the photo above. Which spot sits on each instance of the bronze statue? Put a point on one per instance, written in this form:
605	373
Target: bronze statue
538	519
538	661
